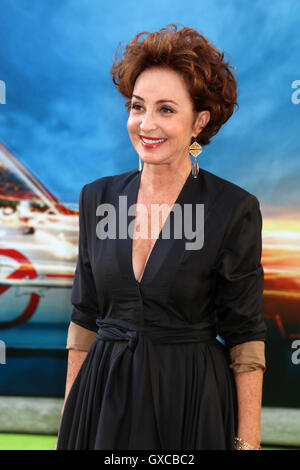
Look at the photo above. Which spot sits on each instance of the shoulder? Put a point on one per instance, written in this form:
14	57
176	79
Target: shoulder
231	194
102	190
105	186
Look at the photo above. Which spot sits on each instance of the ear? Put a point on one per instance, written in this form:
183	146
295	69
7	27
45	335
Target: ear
202	119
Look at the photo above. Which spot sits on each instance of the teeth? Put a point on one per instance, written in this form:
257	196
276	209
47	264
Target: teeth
149	141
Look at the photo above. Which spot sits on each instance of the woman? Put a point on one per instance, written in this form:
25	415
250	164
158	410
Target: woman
145	369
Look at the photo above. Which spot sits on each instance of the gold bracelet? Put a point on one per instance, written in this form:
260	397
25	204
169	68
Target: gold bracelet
240	444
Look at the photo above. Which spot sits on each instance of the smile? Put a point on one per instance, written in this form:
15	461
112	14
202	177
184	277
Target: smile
151	142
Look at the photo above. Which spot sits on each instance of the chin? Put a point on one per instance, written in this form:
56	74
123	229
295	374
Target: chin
146	158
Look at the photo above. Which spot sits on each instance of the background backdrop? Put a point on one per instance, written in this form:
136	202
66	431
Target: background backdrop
62	125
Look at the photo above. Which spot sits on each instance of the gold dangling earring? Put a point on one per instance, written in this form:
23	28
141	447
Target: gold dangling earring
195	150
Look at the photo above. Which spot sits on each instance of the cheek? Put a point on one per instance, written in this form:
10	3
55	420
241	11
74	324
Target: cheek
174	132
176	126
180	131
132	125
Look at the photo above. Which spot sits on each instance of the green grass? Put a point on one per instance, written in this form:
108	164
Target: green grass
280	448
44	442
27	442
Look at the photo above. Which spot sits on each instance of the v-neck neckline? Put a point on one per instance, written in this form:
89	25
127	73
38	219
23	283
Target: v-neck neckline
154	247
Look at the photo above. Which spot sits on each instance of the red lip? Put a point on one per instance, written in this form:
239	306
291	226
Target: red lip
150	146
151	138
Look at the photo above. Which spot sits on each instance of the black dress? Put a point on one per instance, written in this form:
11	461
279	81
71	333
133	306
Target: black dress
156	377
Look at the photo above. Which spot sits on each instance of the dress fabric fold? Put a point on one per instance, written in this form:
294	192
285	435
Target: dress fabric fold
157	376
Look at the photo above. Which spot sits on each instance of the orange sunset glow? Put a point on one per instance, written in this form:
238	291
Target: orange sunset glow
281	263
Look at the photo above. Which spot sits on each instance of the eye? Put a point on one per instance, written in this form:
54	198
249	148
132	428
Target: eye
166	110
136	106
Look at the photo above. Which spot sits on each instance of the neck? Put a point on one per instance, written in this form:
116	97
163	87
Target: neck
164	178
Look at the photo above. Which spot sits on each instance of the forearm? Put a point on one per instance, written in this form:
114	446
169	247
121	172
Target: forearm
249	396
75	360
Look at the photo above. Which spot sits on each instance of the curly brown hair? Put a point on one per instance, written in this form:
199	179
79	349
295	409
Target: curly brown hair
211	83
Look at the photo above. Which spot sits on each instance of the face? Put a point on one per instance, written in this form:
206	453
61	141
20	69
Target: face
162	120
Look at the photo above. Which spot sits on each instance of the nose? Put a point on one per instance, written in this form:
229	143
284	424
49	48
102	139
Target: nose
147	123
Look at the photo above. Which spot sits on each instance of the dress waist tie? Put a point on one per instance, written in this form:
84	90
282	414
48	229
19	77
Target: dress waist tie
109	331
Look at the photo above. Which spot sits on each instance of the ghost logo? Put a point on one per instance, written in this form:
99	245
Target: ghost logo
296	94
25	269
2	92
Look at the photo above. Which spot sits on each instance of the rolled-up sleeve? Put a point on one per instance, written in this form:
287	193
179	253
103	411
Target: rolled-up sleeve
80	338
83	296
247	357
240	277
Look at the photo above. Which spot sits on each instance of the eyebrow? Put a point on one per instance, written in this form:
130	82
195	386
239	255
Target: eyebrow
159	101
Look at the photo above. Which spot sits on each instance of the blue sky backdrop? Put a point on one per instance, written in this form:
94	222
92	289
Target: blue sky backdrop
66	122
